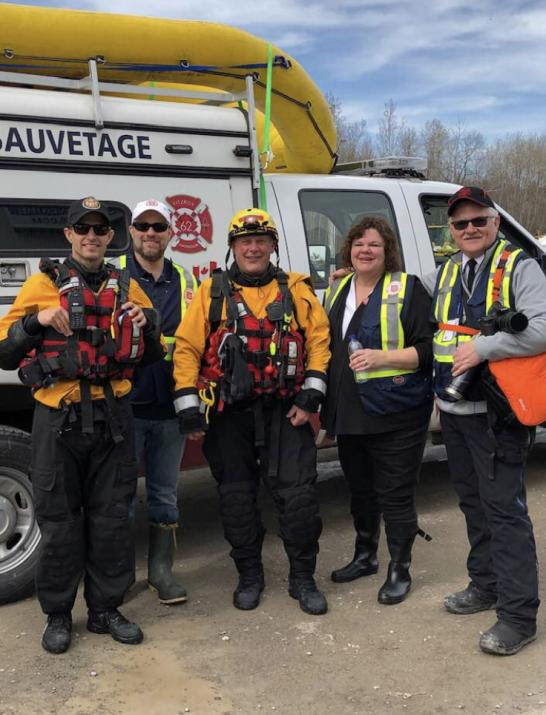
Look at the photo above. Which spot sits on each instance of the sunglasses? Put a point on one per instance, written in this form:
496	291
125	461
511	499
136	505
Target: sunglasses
478	222
158	227
82	229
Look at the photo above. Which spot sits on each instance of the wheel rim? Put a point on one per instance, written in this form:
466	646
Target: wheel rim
19	532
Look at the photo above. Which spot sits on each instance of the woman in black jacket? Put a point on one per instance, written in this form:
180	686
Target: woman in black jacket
379	398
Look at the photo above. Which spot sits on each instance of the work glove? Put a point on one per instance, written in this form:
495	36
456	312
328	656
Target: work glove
309	400
191	420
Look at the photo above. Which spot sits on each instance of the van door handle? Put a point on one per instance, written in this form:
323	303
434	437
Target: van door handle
13	273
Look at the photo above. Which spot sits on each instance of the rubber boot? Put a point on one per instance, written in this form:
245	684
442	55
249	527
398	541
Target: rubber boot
398	582
364	561
246	596
160	563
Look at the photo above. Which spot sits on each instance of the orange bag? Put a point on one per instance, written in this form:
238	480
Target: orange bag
523	382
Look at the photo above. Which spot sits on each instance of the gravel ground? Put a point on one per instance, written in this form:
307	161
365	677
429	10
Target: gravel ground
206	657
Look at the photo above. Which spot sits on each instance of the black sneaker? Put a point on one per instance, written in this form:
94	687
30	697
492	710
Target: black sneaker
57	633
247	594
112	622
471	600
311	600
502	639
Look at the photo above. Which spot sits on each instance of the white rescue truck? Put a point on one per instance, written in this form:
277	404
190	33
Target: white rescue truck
58	144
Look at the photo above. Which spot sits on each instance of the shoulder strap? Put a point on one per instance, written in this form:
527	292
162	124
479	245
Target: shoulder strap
124	282
216	299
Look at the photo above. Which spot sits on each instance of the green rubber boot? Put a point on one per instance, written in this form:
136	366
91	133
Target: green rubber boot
161	545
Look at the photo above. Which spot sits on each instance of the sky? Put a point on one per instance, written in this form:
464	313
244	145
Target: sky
478	63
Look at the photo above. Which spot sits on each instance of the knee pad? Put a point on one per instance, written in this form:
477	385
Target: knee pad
240	516
299	516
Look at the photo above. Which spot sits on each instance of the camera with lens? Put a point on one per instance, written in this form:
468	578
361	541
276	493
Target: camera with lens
502	320
498	319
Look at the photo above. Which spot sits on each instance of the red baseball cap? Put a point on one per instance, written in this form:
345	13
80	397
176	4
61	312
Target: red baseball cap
469	193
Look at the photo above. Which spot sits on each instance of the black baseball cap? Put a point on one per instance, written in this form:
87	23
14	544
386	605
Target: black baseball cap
80	208
469	193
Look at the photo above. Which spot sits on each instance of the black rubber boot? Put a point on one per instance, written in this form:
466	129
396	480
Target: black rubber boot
113	622
161	543
364	561
398	582
58	632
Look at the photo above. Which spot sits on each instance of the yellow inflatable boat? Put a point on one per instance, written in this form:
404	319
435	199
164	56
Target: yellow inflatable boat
139	49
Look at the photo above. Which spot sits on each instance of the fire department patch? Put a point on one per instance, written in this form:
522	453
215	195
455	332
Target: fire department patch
188	296
393	288
191	224
91	203
399	379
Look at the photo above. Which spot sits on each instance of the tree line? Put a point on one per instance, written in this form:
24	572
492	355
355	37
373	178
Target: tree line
512	169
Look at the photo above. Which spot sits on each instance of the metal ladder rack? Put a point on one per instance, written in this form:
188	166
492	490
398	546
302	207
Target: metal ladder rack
92	84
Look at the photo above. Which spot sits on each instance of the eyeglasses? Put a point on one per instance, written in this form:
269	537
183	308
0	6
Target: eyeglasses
478	222
158	227
82	229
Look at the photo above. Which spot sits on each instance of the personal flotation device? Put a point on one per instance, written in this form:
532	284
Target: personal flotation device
105	343
248	356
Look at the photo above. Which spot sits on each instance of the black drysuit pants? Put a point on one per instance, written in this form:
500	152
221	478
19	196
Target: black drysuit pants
238	464
83	488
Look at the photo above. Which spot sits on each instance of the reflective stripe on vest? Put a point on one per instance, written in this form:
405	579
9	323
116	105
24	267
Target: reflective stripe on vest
185	278
392	301
444	344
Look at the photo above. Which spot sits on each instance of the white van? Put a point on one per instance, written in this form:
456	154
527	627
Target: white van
199	160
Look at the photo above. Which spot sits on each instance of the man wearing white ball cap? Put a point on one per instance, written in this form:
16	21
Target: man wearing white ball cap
158	441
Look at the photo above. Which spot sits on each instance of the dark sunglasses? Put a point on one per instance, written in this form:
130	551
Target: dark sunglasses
143	226
478	222
82	229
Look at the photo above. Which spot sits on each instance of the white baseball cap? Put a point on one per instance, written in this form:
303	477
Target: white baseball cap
151	205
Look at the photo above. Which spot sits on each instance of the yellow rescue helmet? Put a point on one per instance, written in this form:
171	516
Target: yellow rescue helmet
251	221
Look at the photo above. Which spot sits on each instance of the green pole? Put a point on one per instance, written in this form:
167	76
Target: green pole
267	123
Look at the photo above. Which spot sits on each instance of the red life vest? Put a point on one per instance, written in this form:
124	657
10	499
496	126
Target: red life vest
273	352
105	343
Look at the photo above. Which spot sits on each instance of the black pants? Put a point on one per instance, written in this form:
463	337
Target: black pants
487	475
83	487
382	471
237	464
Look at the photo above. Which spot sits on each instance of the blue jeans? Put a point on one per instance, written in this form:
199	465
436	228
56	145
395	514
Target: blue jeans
159	446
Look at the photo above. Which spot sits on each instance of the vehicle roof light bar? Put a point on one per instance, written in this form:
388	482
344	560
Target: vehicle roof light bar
389	166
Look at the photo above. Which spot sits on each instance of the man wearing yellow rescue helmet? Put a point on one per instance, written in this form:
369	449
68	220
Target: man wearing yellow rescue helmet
254	345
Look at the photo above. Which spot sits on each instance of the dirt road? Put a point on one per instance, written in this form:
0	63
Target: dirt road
207	657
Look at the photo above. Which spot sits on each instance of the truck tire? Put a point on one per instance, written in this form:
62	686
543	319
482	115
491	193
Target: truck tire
19	531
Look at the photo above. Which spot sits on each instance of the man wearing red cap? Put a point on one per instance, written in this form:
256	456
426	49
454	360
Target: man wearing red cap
487	452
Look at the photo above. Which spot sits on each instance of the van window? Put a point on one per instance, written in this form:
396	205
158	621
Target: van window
34	227
327	217
435	212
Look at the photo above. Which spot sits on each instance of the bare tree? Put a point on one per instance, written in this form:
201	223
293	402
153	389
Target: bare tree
354	141
388	135
515	175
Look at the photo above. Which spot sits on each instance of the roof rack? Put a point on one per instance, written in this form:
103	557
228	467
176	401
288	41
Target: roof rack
388	166
92	84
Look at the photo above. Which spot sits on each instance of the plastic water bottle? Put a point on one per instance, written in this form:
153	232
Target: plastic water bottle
354	344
